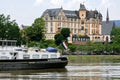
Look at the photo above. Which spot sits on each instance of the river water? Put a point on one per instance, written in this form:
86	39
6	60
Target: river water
103	71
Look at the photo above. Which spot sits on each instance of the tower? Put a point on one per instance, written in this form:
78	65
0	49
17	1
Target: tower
107	17
82	11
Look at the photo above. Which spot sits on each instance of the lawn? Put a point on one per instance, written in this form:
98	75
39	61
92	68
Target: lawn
93	59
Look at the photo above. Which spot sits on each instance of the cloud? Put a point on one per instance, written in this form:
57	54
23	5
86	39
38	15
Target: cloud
100	5
56	2
38	2
72	4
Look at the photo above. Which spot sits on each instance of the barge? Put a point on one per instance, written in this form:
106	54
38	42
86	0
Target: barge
18	58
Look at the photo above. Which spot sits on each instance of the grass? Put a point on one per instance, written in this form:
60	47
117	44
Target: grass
94	59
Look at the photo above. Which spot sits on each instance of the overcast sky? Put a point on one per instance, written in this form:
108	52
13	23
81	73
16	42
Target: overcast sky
25	11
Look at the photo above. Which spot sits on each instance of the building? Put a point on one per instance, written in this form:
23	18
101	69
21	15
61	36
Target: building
81	22
107	27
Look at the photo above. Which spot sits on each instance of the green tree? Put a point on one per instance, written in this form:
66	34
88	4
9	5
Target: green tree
36	31
58	39
115	34
23	37
72	48
9	29
62	36
65	32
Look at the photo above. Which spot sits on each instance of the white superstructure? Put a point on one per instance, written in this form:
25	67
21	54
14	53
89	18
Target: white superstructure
13	52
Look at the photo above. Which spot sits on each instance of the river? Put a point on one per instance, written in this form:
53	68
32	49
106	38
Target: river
104	71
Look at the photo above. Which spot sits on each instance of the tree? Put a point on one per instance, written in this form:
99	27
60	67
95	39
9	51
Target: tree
8	29
46	43
72	47
115	34
62	36
58	39
65	32
36	31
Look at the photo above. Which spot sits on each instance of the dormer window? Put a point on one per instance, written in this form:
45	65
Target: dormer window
52	18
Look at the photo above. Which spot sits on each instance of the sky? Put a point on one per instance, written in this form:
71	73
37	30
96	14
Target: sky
26	11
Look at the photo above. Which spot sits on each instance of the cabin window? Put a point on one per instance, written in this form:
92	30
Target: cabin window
44	56
53	56
4	57
18	49
35	56
25	56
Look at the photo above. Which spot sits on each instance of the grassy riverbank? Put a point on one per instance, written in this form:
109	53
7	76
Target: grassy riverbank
94	58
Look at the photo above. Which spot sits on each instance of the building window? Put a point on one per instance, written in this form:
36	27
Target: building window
74	24
86	30
82	14
82	22
46	18
79	30
51	24
58	24
75	31
51	29
58	18
72	19
82	27
51	18
93	32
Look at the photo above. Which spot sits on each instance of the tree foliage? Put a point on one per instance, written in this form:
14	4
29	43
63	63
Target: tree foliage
8	29
58	39
62	36
72	47
36	31
65	32
115	33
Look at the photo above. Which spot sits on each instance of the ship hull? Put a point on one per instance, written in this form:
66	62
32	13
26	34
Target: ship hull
33	64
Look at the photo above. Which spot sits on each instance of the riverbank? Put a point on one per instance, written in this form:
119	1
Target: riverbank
83	59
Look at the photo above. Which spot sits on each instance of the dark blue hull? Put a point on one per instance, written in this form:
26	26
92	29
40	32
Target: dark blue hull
33	64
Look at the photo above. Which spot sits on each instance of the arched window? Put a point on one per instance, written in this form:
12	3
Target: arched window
107	38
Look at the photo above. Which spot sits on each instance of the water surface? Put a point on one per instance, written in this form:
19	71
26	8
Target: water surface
104	71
